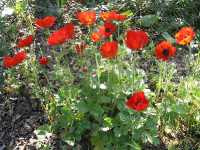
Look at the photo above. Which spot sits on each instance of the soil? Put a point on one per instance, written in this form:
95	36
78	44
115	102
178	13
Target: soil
19	117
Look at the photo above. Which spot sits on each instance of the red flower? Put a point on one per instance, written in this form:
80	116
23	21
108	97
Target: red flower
43	60
109	49
112	15
96	37
9	62
20	57
138	101
25	42
107	29
45	22
120	17
87	17
63	34
80	48
136	39
185	35
164	50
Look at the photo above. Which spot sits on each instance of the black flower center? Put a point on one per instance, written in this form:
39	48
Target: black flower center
165	52
138	102
108	30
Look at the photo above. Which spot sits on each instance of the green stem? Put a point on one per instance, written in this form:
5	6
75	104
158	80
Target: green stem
98	68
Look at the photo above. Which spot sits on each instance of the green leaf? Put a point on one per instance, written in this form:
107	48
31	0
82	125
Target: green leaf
149	137
110	77
124	116
2	53
1	80
105	99
127	13
97	142
171	147
148	20
156	140
96	110
168	37
135	146
108	121
83	107
42	130
20	6
121	106
180	109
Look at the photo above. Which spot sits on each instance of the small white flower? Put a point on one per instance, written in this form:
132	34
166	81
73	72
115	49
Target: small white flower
129	51
168	129
57	97
147	91
94	86
169	110
103	86
105	129
197	118
7	11
71	143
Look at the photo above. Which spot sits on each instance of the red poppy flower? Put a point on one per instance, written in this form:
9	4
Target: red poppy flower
20	56
45	22
138	101
80	48
63	34
112	15
96	37
136	39
109	49
43	60
9	62
120	17
185	35
87	17
164	50
107	16
25	42
107	29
